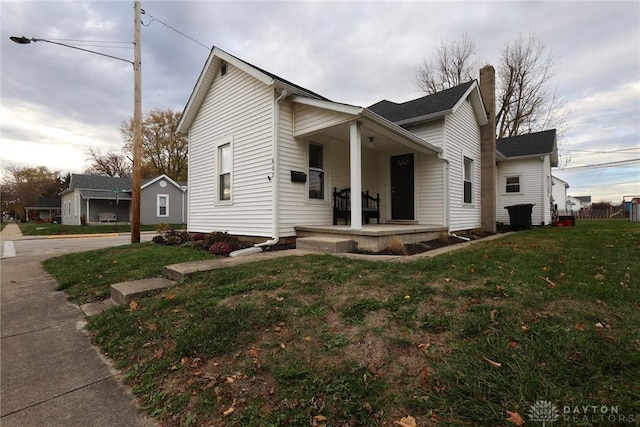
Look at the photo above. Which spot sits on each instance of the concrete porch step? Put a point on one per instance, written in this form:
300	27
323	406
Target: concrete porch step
125	292
331	245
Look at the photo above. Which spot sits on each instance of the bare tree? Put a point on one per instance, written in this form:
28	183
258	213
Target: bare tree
525	100
163	151
451	65
111	163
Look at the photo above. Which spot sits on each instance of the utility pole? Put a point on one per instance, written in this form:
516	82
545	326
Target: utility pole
137	125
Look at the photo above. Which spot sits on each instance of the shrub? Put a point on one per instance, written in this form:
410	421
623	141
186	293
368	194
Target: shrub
197	237
395	246
220	248
222	237
159	240
162	227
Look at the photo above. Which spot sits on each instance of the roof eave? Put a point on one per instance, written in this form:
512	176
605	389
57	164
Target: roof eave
378	119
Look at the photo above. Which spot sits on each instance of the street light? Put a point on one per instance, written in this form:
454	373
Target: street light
137	111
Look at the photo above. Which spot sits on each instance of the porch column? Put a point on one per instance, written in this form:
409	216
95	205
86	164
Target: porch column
355	146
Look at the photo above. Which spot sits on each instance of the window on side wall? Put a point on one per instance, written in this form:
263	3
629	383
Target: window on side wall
224	172
468	180
316	171
513	184
163	205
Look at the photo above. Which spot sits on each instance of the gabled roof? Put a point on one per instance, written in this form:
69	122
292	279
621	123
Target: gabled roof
98	182
47	202
529	145
431	106
209	73
148	182
565	183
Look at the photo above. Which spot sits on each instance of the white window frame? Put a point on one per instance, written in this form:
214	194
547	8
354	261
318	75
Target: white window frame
323	170
507	185
158	197
220	144
469	179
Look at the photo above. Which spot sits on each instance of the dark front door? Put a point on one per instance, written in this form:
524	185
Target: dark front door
402	187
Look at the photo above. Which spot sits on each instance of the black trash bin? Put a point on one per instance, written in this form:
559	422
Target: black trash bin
520	216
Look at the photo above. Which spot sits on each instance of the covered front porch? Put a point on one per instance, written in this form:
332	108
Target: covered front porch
374	237
353	148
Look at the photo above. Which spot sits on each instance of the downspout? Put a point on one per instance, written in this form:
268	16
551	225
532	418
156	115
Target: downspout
275	178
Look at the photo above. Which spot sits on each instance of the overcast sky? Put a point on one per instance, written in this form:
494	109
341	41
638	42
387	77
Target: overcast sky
56	101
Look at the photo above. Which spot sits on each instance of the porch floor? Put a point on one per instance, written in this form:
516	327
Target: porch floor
375	237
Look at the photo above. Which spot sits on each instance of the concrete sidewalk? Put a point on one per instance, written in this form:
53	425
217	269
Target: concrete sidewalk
50	373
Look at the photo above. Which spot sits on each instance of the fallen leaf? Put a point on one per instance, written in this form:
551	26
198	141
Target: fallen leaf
551	284
133	305
514	344
525	328
546	268
472	270
254	353
230	380
407	297
171	296
307	338
492	315
492	362
407	421
424	347
279	299
447	279
599	276
599	325
424	376
228	412
158	353
184	360
515	418
580	327
197	372
485	255
152	326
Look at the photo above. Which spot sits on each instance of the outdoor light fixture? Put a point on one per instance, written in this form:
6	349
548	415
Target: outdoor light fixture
137	111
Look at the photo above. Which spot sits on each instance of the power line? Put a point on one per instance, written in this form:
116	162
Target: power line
171	28
601	165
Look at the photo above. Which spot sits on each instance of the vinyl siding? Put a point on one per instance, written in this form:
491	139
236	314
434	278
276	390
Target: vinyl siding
430	132
462	136
295	206
240	108
149	204
534	188
429	190
307	119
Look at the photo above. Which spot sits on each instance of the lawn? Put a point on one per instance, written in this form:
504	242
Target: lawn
518	327
46	229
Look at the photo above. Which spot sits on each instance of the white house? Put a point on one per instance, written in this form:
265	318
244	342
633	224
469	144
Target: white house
266	154
559	193
634	210
524	174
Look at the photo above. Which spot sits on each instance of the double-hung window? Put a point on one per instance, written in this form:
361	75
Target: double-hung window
163	205
513	184
468	180
316	171
224	172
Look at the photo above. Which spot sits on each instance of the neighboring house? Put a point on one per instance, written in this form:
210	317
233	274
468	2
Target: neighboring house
559	194
634	210
579	203
266	154
94	199
47	210
524	174
163	200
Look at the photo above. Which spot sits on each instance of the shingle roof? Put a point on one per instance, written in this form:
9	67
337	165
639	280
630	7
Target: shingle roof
49	202
97	182
537	143
430	104
105	195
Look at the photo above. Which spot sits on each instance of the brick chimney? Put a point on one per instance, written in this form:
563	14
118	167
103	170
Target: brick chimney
488	168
